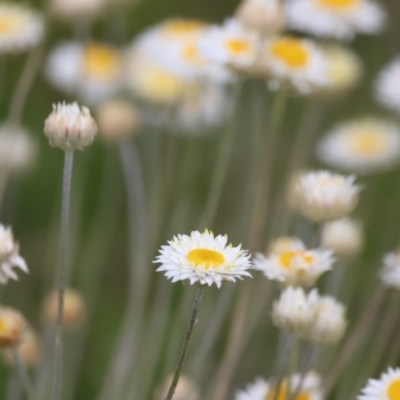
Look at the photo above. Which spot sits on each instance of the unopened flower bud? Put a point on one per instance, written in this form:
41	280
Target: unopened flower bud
70	127
186	389
12	327
284	244
72	9
29	349
74	308
343	236
117	119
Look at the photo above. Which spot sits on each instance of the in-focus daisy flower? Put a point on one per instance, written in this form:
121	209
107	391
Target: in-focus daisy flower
263	16
362	146
323	195
294	311
76	9
29	348
390	273
284	244
74	308
329	324
117	119
204	259
20	28
294	62
231	44
70	127
387	86
297	266
264	390
92	71
18	150
9	257
343	236
344	68
387	387
12	327
185	390
340	19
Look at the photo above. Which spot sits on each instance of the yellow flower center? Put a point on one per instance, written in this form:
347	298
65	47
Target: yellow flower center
7	25
368	143
287	258
205	258
339	4
192	55
282	395
238	46
291	51
182	28
394	390
3	328
101	62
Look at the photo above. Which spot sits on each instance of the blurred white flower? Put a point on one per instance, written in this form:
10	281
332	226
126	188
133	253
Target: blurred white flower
295	62
340	19
20	28
387	387
297	266
204	259
9	256
323	195
387	86
18	150
362	146
343	236
70	127
390	273
93	71
258	390
76	9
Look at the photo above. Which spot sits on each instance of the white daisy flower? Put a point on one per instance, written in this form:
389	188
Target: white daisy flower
18	150
294	311
20	28
387	87
340	19
263	390
343	236
9	257
92	71
390	273
204	259
231	45
387	387
297	266
362	146
294	62
329	324
323	195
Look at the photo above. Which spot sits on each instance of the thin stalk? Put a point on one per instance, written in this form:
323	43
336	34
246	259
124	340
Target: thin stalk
62	267
335	279
221	167
355	339
24	85
23	373
186	343
3	187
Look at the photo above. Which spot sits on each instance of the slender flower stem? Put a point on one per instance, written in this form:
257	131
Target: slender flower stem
186	343
3	187
61	274
23	373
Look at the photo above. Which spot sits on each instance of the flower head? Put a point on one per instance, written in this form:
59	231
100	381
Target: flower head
297	266
92	71
387	86
387	387
70	127
323	195
362	146
9	257
12	327
72	9
340	19
343	236
20	28
294	62
204	259
390	273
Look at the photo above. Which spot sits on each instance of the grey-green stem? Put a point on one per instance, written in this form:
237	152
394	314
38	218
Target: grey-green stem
61	274
23	373
186	343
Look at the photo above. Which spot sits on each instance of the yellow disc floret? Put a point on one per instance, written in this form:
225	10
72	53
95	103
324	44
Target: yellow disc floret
205	258
238	46
287	258
393	391
291	51
101	62
339	4
367	142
